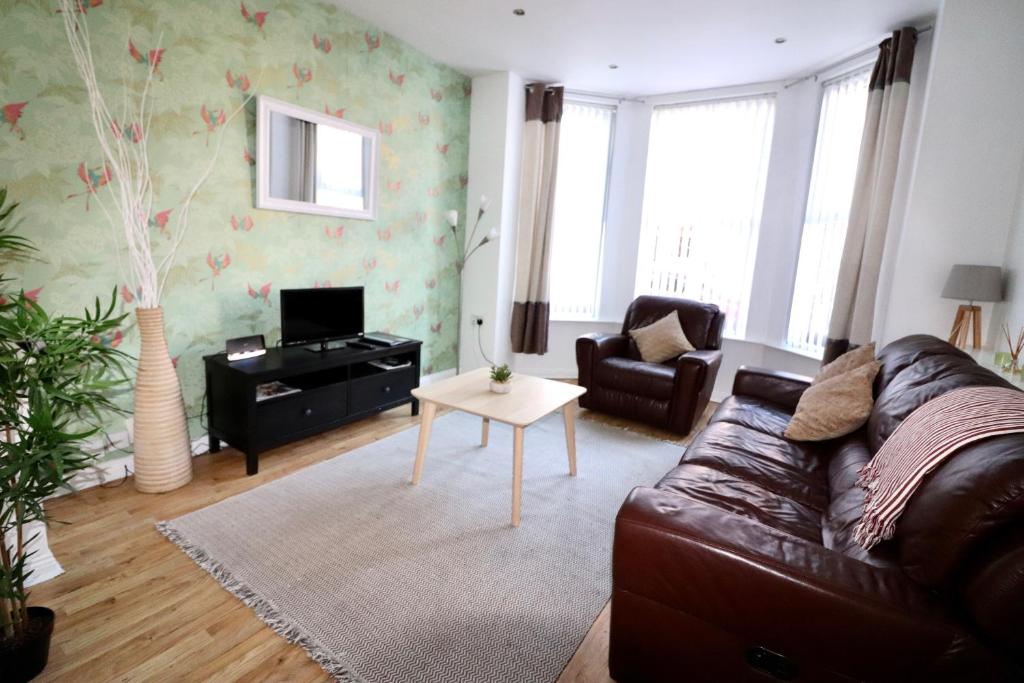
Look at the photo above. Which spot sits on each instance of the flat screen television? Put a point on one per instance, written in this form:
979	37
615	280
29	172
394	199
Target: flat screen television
317	316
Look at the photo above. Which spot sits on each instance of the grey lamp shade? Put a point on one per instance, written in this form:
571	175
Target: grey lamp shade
974	283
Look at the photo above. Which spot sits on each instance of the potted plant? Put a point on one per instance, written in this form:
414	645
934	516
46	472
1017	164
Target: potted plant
501	379
56	379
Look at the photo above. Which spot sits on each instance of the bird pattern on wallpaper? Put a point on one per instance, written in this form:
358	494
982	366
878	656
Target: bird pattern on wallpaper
235	257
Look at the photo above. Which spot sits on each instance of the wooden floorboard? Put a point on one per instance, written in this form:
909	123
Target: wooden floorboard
132	607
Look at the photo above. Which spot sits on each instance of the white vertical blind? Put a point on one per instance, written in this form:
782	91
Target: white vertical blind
706	170
840	127
581	186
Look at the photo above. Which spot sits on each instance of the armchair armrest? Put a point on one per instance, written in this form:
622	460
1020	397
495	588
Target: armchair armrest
696	372
591	349
784	388
772	589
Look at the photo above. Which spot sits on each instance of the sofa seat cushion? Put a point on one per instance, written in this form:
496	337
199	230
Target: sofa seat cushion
735	494
636	377
793	470
753	413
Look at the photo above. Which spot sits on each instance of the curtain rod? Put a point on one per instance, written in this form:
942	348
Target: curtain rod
602	96
829	67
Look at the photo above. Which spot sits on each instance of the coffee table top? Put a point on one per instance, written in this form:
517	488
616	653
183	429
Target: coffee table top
531	398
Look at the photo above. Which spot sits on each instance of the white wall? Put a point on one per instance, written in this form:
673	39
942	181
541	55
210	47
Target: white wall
495	135
964	188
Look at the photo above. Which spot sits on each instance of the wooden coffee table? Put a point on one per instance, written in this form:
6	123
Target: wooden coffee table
531	398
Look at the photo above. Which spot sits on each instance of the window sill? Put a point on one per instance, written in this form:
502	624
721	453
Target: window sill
595	321
778	346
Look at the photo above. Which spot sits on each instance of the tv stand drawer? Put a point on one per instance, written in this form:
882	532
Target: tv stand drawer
298	412
373	391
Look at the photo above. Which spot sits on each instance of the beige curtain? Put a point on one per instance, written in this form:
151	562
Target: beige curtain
531	308
853	309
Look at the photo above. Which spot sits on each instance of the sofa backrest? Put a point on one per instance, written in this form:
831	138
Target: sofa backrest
701	322
952	535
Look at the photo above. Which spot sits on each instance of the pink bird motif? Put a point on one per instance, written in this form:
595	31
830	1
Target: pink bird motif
83	6
126	294
420	217
397	79
372	41
112	340
424	120
369	264
245	224
213	120
318	285
94	179
431	283
339	113
302	76
159	221
386	128
436	95
239	81
335	233
255	18
436	327
133	132
33	294
392	287
151	58
417	311
443	149
263	294
384	235
439	241
434	191
174	361
217	265
322	44
249	158
12	114
394	186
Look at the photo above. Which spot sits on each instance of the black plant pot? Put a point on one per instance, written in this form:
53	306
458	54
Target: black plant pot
21	659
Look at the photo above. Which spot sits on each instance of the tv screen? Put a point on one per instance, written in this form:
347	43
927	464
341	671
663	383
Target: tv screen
309	316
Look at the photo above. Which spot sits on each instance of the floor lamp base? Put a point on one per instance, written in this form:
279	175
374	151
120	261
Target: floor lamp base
968	319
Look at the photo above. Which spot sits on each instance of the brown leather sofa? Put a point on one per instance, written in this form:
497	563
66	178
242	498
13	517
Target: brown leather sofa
740	564
672	395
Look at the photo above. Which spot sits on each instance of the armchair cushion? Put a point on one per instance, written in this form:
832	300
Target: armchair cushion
661	340
636	377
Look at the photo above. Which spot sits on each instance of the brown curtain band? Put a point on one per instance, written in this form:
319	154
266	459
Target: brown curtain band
895	59
544	103
530	326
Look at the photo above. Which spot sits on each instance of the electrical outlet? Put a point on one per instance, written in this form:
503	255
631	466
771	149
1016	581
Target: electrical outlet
476	319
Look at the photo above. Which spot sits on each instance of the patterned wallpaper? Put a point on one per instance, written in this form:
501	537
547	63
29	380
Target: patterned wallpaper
235	258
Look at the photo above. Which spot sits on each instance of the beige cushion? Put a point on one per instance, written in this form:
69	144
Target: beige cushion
846	362
835	407
661	340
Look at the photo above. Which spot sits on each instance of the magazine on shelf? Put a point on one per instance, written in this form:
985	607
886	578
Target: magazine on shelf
389	363
273	390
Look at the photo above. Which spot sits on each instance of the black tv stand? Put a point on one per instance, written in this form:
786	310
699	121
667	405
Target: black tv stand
334	388
326	346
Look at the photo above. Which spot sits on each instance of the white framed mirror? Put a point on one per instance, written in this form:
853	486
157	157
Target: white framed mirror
308	162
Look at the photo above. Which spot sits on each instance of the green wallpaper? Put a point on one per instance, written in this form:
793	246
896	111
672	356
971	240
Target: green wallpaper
235	258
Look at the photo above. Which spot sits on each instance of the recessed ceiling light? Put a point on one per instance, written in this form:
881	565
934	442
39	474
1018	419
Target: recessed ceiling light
613	66
519	12
780	40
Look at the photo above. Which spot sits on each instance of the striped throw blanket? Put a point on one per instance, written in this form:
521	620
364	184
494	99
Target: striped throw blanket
922	442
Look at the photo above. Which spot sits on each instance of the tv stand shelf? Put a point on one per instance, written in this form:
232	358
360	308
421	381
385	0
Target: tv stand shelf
335	387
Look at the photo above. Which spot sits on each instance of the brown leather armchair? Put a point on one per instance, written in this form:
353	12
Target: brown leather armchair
671	395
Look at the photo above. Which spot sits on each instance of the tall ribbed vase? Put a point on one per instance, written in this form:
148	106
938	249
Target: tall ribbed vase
163	456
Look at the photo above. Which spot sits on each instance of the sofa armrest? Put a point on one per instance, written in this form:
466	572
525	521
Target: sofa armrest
772	589
783	388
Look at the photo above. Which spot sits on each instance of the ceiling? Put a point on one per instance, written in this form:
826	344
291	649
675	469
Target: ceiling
660	46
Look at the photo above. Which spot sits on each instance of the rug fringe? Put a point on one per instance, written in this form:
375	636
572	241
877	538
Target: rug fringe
265	610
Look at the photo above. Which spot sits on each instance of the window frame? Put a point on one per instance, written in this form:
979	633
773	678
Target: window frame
599	274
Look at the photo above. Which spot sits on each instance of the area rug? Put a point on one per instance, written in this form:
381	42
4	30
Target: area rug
385	582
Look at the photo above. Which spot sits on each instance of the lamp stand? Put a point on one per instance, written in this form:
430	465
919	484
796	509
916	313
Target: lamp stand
968	316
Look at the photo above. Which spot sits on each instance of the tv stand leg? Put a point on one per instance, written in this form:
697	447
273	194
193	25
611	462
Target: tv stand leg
252	463
415	407
214	443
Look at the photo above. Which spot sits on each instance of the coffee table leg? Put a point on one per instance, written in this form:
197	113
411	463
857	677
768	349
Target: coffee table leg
569	413
517	474
484	431
421	448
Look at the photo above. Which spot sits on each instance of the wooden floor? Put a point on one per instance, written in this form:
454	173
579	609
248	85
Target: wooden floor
132	607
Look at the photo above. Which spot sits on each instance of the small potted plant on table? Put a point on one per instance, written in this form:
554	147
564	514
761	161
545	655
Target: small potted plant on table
501	379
